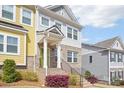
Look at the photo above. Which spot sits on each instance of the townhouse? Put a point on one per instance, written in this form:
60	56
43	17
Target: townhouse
40	37
104	59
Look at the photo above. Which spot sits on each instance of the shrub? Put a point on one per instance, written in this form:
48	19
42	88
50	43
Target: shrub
72	79
9	71
18	76
0	76
57	81
87	74
92	79
121	82
29	76
116	83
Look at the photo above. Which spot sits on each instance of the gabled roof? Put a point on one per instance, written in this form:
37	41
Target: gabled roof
54	29
109	42
12	26
67	9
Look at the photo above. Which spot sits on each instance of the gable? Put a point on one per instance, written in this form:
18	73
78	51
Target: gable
117	45
63	10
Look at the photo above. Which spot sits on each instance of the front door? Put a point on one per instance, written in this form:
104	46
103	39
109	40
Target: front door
53	58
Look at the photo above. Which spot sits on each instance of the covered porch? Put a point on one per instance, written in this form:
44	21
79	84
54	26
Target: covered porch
50	48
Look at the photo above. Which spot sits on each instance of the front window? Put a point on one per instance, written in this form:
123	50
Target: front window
26	16
72	56
1	43
120	74
75	56
69	56
8	11
45	21
12	44
69	32
58	25
75	34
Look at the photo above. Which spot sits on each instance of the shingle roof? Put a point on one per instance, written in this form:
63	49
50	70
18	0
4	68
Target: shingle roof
7	24
107	43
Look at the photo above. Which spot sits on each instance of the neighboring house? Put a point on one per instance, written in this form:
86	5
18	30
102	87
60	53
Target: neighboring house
40	37
104	59
58	37
17	34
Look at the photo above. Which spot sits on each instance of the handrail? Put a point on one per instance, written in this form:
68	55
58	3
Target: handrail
72	69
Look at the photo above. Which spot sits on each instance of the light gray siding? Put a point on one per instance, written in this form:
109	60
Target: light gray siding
99	66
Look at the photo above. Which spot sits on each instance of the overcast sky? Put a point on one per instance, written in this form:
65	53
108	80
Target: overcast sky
101	22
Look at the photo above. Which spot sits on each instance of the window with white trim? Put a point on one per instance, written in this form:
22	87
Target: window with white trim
72	56
72	33
120	59
9	44
26	16
1	43
112	57
69	32
58	25
44	21
75	34
8	12
12	44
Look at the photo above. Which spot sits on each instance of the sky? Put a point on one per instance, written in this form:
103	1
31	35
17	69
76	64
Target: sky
100	22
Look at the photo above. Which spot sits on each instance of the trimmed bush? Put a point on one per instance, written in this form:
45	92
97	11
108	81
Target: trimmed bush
29	76
87	74
72	79
9	71
0	76
116	83
92	79
57	81
121	82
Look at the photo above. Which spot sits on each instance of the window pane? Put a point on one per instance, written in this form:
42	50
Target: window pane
26	20
69	32
58	25
7	11
45	21
90	59
1	39
26	17
1	47
12	40
75	34
11	49
26	14
69	56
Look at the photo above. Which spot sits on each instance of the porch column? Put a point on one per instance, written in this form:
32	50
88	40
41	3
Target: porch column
58	56
45	53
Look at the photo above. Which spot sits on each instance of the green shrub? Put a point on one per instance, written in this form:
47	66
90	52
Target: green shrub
9	71
116	83
29	76
87	74
18	76
121	82
72	79
0	76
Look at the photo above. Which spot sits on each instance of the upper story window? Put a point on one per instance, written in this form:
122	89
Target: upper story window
72	56
69	32
44	21
12	44
112	56
120	57
1	43
26	16
8	12
75	34
9	44
58	25
72	33
90	59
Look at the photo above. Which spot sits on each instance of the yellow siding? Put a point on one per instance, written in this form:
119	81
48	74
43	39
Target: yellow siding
31	29
19	59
